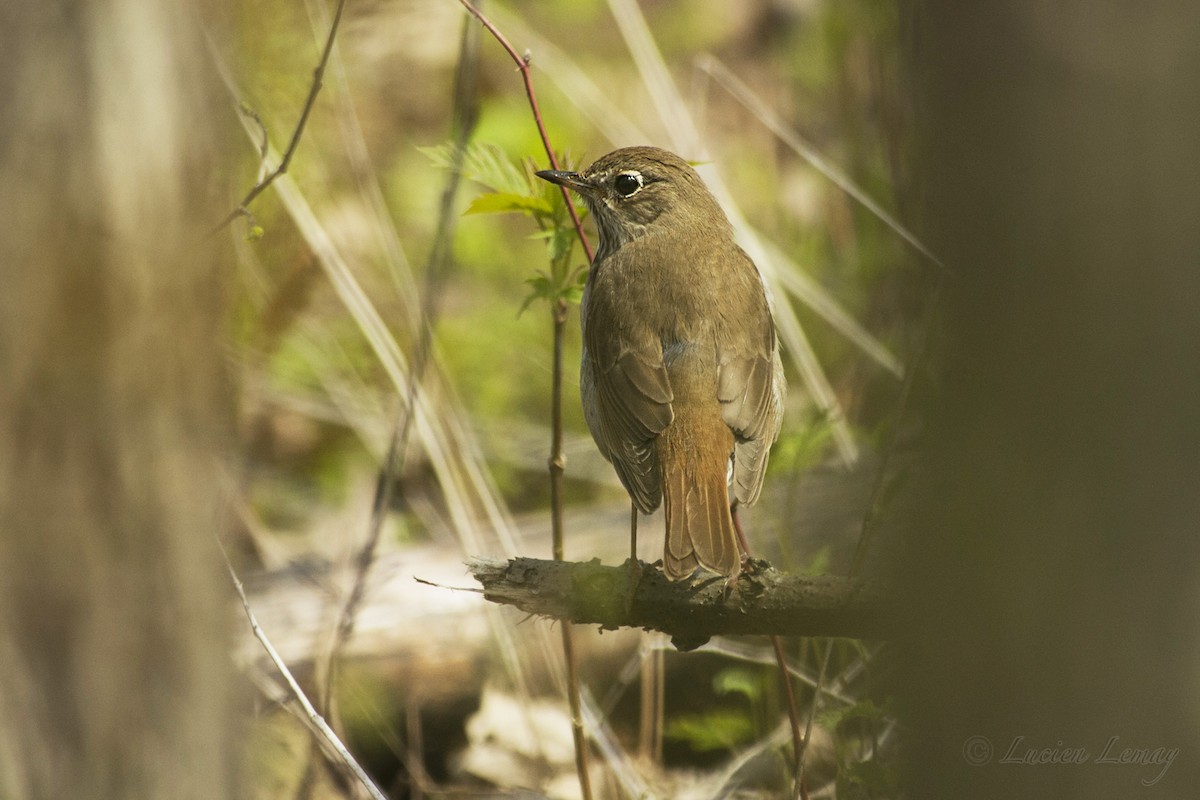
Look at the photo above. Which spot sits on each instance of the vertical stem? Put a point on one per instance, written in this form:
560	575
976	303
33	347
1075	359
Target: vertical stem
653	691
581	747
558	461
633	556
557	467
798	741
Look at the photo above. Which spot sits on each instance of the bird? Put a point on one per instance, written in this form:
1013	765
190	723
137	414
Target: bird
681	379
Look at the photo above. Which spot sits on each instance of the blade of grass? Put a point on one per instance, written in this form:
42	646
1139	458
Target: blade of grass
317	721
818	299
744	95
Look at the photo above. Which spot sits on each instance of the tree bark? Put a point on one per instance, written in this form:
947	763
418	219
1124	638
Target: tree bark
114	410
763	602
1050	571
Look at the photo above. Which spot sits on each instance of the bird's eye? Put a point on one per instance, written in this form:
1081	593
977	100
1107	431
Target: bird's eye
627	183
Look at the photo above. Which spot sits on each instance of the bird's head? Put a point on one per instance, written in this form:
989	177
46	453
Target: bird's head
633	190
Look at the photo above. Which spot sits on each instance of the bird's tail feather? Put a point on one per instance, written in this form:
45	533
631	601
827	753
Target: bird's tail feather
694	458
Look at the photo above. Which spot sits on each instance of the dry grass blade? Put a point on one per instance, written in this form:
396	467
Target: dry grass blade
817	298
435	273
355	144
316	720
615	757
677	120
742	93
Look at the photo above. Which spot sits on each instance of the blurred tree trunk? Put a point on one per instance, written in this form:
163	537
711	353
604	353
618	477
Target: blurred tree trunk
1054	567
114	672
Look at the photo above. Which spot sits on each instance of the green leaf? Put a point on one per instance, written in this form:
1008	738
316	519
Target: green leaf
879	780
255	233
482	163
573	295
716	730
735	680
560	241
541	287
505	202
442	155
863	710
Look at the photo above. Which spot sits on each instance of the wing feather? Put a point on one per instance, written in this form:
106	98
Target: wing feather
631	404
750	386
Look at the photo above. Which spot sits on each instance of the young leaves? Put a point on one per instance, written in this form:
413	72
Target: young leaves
515	189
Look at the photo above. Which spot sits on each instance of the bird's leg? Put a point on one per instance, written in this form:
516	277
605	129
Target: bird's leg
635	566
743	545
750	565
731	582
633	558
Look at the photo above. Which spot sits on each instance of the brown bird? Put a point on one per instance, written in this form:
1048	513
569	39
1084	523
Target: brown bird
681	373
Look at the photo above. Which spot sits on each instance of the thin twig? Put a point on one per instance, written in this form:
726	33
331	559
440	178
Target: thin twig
800	790
557	467
316	719
793	712
869	516
313	91
781	663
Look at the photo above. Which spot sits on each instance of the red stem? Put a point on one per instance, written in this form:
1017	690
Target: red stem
523	65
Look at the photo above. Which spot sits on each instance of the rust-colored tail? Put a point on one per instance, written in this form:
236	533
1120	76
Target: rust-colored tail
693	454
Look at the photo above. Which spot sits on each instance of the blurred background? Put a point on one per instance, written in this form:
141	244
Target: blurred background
979	231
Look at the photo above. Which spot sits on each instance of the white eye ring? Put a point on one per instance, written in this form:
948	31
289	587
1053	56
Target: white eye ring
628	183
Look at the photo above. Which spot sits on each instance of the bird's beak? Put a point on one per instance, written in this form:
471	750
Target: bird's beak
571	180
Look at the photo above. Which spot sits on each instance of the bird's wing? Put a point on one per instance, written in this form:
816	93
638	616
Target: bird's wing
750	385
631	405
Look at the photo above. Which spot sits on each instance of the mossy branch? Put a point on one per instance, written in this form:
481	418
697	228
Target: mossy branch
764	602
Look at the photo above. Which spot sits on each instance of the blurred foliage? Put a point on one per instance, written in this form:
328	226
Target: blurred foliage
725	727
718	729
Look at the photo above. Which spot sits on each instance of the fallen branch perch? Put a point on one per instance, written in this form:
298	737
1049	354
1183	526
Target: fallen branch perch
764	602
